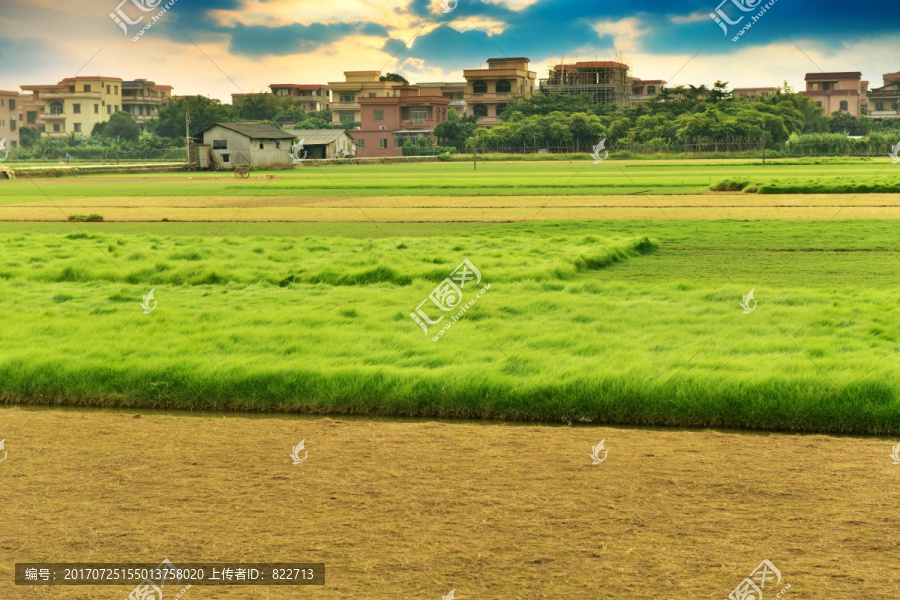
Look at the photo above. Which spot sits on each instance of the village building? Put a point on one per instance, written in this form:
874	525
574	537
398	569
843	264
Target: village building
324	143
884	102
488	90
247	145
844	92
9	121
389	122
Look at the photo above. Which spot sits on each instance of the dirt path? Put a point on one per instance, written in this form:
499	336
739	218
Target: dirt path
414	509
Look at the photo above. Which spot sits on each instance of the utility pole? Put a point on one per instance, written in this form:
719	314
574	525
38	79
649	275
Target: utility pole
187	130
764	143
475	149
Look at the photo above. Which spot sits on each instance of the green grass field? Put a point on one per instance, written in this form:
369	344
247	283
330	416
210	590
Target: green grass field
582	177
618	322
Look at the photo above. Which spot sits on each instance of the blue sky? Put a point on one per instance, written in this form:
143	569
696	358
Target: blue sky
219	47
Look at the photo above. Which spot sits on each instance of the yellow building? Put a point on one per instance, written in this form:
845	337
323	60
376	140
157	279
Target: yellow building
9	124
142	99
488	90
73	105
358	84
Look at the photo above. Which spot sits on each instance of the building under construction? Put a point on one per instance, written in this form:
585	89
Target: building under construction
607	82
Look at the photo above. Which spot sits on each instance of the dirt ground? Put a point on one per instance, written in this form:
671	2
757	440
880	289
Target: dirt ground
413	509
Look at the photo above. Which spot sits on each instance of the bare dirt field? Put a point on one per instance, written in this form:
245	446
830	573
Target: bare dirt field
415	509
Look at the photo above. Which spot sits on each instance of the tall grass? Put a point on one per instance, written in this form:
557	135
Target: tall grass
583	322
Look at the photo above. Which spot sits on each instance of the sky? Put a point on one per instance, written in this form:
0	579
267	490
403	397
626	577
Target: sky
219	47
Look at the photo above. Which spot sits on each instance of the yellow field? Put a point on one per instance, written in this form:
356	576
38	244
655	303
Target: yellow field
415	509
465	208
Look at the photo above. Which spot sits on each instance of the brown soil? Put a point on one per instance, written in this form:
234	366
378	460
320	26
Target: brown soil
415	509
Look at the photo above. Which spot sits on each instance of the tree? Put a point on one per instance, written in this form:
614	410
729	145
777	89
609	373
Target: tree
394	77
205	112
261	107
455	130
120	125
294	114
544	104
28	136
313	123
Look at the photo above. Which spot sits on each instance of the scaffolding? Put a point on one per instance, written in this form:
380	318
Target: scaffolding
606	82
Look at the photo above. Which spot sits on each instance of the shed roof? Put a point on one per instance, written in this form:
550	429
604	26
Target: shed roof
255	130
316	136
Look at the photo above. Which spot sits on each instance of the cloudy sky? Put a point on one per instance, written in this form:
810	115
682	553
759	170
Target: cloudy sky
219	47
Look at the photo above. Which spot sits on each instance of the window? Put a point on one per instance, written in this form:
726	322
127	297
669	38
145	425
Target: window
278	145
844	105
31	116
116	108
503	87
382	143
637	91
96	109
879	106
417	115
115	89
500	109
108	90
76	108
347	118
826	85
77	127
373	95
12	104
479	87
361	144
109	110
72	88
864	110
56	127
283	92
226	157
819	104
56	108
651	89
379	115
220	144
12	124
480	110
261	146
87	87
347	97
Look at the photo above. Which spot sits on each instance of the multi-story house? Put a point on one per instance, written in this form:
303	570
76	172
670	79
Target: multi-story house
345	95
606	82
309	97
642	90
9	120
488	90
142	99
753	93
455	92
74	105
838	92
387	122
884	102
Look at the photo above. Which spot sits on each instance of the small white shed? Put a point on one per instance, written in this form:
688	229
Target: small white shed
325	143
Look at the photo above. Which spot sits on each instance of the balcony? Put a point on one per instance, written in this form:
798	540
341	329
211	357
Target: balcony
884	113
51	116
415	122
152	99
344	105
489	96
64	95
487	121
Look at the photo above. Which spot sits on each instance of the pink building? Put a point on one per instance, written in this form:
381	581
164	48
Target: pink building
838	92
387	122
